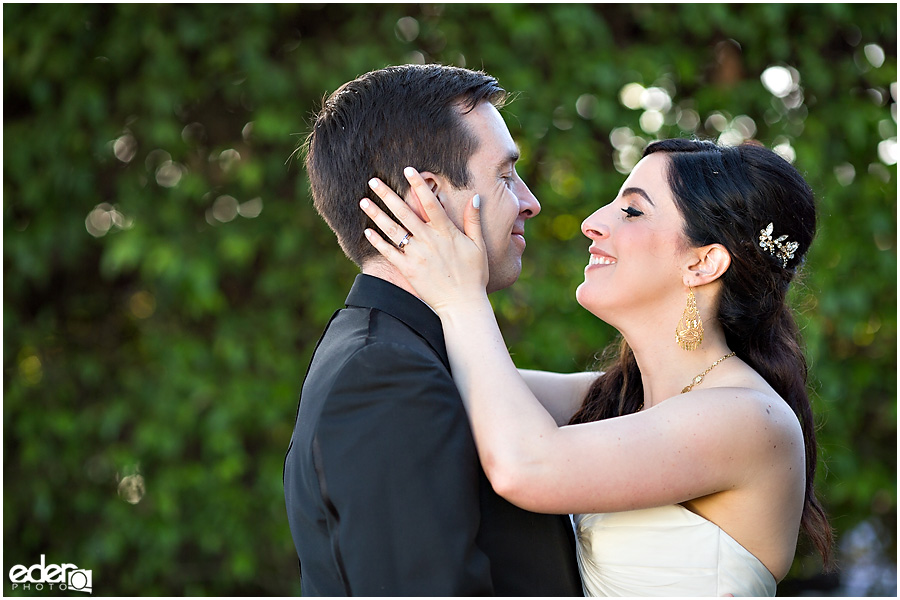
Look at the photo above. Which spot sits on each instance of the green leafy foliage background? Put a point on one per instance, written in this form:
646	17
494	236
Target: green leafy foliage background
166	278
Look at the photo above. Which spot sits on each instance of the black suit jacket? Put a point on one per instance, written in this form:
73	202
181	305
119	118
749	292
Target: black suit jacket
385	495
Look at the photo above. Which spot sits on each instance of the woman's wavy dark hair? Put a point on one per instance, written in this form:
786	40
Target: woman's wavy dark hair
727	195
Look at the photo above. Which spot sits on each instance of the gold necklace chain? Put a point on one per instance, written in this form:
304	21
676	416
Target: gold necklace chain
699	378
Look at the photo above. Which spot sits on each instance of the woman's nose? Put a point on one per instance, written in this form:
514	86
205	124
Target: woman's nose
594	227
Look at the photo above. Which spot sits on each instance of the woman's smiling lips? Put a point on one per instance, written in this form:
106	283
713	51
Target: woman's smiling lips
600	259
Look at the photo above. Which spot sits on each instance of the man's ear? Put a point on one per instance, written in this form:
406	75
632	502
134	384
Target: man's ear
435	184
707	264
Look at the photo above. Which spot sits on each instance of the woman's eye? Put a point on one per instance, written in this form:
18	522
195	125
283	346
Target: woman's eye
631	212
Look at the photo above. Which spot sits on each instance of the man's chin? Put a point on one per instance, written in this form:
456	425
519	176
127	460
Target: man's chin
503	278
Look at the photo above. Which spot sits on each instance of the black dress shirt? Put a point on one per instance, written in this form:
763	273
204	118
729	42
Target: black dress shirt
384	492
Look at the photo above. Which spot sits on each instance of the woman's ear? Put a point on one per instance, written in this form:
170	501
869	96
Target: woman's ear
708	263
434	183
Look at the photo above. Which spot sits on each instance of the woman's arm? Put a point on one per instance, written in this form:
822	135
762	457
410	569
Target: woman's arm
686	447
561	394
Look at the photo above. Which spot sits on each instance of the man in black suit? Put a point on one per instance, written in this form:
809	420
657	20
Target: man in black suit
384	492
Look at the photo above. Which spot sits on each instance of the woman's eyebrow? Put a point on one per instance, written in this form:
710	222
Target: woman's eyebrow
639	192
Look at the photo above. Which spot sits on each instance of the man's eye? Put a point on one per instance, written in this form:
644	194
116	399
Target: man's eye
631	212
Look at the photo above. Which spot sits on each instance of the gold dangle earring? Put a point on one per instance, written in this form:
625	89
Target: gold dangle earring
689	333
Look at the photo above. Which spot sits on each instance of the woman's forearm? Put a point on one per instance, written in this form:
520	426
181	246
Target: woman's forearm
510	426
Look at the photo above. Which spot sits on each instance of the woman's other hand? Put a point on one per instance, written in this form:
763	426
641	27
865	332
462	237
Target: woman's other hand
444	265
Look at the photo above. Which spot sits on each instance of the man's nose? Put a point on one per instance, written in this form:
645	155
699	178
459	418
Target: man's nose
528	203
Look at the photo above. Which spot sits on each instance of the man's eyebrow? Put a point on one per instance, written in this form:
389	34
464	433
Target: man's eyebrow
639	192
511	158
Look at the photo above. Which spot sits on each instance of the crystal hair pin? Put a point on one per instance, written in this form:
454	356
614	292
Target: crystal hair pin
779	248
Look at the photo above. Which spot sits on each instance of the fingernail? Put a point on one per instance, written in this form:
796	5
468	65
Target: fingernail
373	183
476	201
364	203
409	171
368	233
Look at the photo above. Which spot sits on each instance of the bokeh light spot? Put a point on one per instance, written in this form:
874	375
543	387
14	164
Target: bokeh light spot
621	137
31	369
864	331
887	151
169	174
630	95
688	119
565	183
98	221
142	305
876	96
874	54
628	148
406	29
193	133
845	174
785	151
125	148
225	209
561	119
228	158
738	131
251	208
103	218
586	106
625	160
745	126
132	488
730	137
878	170
778	80
566	227
717	121
656	98
651	121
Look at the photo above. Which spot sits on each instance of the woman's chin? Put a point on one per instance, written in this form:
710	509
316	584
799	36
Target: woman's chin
583	297
578	294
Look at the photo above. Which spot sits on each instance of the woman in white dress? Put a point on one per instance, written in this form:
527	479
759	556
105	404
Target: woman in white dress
689	462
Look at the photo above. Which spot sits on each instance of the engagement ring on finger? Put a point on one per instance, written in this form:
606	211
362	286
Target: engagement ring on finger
404	241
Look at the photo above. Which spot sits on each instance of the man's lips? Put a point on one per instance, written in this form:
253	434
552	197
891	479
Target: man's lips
520	233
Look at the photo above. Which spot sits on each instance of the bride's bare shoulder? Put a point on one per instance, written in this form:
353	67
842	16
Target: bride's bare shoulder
752	415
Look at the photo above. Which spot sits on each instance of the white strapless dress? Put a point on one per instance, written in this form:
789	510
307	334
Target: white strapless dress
665	551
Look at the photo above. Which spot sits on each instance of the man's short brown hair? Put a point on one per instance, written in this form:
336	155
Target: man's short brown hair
381	122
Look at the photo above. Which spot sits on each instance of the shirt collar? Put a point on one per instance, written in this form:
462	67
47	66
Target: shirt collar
372	292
